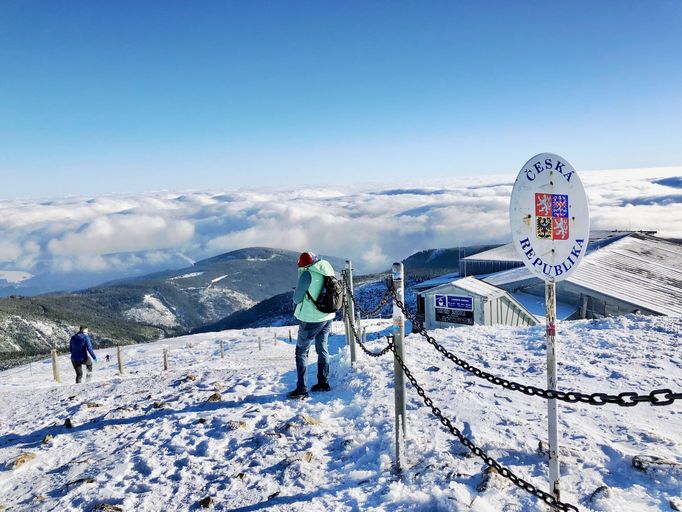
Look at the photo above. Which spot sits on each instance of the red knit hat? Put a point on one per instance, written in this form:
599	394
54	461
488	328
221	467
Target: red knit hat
306	258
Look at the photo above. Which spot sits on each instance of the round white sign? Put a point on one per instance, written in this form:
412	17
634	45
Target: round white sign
549	217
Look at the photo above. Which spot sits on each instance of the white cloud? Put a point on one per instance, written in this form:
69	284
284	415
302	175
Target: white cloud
374	225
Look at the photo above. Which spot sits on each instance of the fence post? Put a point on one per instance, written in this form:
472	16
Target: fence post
552	411
260	346
274	338
119	356
345	309
351	310
222	350
398	336
289	335
165	359
55	367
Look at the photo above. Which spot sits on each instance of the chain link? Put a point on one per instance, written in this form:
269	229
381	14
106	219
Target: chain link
358	339
658	397
502	470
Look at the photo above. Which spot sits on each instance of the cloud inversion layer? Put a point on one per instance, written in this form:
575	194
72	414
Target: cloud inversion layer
373	226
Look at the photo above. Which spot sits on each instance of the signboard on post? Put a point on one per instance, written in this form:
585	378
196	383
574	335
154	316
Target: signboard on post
454	309
550	225
549	217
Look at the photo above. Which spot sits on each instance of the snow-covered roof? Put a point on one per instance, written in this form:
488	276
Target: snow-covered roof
436	281
501	253
639	269
472	285
598	238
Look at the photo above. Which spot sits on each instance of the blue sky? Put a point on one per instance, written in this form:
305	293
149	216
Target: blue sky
99	97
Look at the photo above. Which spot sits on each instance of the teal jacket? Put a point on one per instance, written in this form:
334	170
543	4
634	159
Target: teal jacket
305	309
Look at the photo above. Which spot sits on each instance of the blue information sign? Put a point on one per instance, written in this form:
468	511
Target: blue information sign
455	302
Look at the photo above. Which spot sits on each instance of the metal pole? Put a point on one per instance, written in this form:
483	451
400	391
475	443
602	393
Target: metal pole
55	367
345	310
119	356
351	310
552	412
398	336
165	359
222	350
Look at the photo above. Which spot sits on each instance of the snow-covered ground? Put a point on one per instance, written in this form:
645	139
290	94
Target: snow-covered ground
152	311
150	440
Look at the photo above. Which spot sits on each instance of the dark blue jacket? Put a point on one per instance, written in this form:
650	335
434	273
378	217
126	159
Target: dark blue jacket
80	346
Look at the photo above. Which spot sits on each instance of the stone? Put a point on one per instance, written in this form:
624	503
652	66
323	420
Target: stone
159	404
310	420
90	405
215	397
22	459
207	502
67	423
599	493
106	507
191	377
47	438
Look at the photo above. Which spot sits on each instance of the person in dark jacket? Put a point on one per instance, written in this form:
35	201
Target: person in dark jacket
81	351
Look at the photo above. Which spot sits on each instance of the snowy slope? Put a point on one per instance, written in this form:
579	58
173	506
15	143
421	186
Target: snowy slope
151	441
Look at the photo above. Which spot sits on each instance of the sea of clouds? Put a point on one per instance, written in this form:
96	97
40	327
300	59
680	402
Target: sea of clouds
120	235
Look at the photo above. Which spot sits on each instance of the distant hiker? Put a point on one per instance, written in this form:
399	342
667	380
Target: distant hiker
81	350
314	324
107	357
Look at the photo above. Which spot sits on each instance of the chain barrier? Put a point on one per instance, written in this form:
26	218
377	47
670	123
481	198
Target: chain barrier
658	397
358	339
501	470
385	299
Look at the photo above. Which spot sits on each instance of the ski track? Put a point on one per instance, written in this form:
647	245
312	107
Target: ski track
256	450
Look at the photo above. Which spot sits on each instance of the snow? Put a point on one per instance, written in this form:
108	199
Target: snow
216	280
256	450
186	276
153	312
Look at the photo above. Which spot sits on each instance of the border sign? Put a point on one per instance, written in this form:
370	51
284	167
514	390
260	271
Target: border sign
549	217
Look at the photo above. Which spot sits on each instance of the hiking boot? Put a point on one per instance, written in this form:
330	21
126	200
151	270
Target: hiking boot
321	386
298	393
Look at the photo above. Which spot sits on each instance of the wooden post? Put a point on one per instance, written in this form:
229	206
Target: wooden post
260	345
119	356
289	335
222	350
274	338
55	367
165	359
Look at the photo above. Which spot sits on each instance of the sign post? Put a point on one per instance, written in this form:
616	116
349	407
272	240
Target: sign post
550	227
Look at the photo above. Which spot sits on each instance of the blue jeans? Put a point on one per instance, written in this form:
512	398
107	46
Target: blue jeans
307	333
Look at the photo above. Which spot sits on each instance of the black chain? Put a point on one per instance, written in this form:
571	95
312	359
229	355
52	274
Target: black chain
358	339
385	299
658	397
502	470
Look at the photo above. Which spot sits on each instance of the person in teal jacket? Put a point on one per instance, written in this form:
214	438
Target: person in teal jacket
313	324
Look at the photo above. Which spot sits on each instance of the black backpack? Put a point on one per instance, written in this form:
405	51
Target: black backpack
330	299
